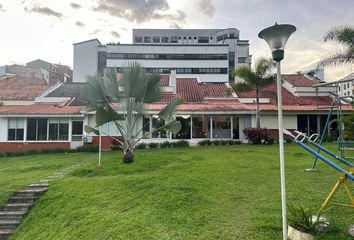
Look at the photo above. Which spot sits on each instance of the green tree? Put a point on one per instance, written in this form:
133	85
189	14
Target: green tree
343	35
122	102
348	132
260	76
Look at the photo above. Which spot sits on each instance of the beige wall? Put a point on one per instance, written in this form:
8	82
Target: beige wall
271	121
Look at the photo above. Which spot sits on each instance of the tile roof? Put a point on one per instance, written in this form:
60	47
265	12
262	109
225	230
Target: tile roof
299	80
39	109
272	107
73	90
25	89
288	98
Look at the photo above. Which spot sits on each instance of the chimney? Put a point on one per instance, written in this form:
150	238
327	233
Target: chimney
173	82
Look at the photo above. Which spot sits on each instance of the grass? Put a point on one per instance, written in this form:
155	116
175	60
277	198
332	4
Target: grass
222	192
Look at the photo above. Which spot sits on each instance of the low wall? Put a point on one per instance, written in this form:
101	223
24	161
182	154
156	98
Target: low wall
24	146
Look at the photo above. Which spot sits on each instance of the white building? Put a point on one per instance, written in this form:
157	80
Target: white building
346	86
207	54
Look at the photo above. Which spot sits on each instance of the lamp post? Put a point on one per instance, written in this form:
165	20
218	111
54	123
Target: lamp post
276	36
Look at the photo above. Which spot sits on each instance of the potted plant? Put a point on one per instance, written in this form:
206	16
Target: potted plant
302	224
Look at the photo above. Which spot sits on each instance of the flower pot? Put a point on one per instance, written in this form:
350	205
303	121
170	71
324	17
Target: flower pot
294	234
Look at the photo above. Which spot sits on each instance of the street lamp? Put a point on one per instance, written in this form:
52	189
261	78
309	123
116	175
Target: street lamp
276	36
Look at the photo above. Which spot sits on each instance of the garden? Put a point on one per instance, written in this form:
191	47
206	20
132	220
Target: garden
208	192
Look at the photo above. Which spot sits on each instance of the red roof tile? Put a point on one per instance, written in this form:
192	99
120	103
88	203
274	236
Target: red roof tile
272	107
15	88
299	80
39	109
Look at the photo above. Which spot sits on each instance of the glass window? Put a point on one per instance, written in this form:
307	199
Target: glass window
77	129
203	39
242	60
164	39
174	39
37	128
63	131
146	127
147	39
235	126
156	124
185	132
200	127
31	129
15	129
138	39
155	39
221	127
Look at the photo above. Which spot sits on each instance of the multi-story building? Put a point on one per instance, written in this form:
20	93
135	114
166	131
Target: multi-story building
346	86
25	72
57	72
206	54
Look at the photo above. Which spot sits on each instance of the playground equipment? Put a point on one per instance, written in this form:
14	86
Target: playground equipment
337	105
301	139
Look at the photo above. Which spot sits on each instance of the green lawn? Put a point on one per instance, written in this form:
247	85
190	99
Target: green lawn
226	192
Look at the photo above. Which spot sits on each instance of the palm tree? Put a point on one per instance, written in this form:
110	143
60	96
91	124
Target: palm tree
122	102
345	36
255	79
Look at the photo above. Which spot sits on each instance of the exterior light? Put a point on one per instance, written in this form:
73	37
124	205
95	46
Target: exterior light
276	36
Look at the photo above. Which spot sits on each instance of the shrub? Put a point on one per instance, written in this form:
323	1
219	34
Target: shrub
224	142
141	146
288	140
270	141
256	135
153	145
205	143
216	142
165	144
87	148
348	132
181	143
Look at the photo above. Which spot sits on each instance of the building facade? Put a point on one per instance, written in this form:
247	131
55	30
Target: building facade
207	54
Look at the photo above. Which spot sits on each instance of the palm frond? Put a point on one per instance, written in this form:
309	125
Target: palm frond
106	115
338	58
153	90
170	108
90	129
94	90
264	66
342	34
172	127
242	87
268	80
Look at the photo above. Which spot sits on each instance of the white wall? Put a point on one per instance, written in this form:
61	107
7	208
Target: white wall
271	121
85	59
3	129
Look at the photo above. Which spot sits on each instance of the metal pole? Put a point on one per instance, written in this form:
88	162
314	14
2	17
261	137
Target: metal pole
99	148
281	151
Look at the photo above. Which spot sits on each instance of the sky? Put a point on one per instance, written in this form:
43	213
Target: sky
47	29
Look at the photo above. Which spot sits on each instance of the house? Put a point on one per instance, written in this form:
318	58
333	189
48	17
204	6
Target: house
57	72
57	115
207	54
24	72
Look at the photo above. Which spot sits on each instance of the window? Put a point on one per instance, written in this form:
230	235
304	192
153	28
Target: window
200	127
156	124
77	127
155	39
242	60
174	39
221	127
15	129
37	129
146	127
189	38
147	39
138	39
203	39
211	38
58	129
164	39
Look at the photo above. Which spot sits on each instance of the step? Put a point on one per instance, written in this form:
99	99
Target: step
23	199
17	206
9	224
12	215
31	192
5	234
38	185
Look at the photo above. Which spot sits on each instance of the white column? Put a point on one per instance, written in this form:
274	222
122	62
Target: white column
211	127
191	137
232	126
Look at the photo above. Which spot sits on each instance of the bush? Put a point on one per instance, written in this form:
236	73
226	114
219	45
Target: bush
153	145
224	142
288	140
181	143
205	143
141	146
87	148
256	135
216	142
270	141
165	144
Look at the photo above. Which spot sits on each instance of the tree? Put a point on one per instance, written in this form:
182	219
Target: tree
255	79
122	102
343	35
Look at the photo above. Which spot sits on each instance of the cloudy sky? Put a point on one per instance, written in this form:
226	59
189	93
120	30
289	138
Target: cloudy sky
46	29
